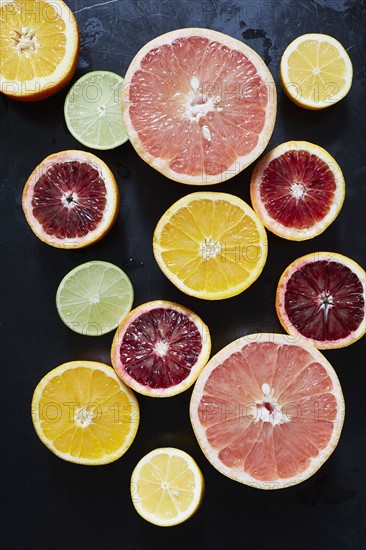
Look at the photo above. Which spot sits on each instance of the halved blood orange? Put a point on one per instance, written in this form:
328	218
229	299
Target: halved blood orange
321	298
160	348
199	106
71	199
267	412
297	190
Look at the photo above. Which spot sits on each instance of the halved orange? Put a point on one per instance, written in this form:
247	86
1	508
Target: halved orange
166	487
210	245
84	413
39	44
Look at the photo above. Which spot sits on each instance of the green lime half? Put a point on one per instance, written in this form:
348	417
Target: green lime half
93	110
94	297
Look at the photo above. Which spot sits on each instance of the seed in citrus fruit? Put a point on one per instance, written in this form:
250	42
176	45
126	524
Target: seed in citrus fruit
297	190
166	487
93	110
321	298
39	43
84	413
266	412
71	199
94	297
316	71
210	245
160	348
199	106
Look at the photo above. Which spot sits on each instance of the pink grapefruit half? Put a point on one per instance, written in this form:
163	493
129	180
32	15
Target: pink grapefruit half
199	106
267	411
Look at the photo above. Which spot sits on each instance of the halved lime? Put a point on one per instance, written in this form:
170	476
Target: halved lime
93	110
93	298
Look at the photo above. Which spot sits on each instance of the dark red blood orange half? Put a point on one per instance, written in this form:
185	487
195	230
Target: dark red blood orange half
297	190
321	298
267	411
160	348
71	199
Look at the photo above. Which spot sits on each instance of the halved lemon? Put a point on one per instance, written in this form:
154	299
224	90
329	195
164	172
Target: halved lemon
166	487
84	413
210	245
39	44
316	71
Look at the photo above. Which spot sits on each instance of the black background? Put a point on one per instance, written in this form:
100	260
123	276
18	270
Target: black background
48	503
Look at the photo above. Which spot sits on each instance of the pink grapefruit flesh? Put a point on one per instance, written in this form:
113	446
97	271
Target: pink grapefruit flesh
199	106
160	348
267	412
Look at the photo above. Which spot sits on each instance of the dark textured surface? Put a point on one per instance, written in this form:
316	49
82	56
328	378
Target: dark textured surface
48	503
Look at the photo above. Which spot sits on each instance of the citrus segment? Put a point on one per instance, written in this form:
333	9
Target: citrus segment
93	110
199	106
39	48
166	487
321	297
316	71
160	348
266	412
297	190
84	413
71	199
210	245
94	297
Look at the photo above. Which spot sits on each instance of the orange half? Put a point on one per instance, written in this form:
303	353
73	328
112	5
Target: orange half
39	44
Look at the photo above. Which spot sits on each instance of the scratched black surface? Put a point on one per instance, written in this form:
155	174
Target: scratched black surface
48	503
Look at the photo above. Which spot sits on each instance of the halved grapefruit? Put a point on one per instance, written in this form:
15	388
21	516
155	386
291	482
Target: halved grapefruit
199	106
160	348
71	199
321	298
267	412
297	190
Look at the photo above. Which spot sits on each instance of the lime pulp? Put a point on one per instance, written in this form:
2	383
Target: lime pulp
93	110
93	298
